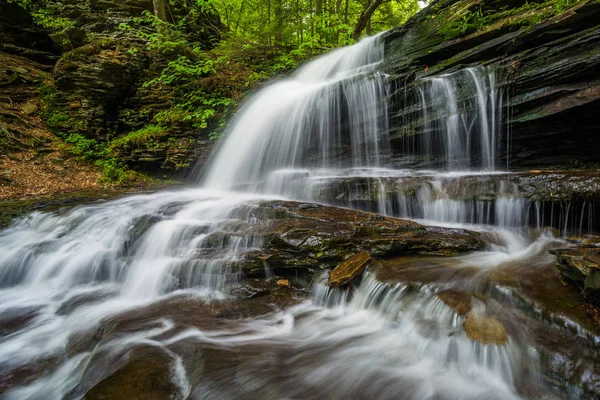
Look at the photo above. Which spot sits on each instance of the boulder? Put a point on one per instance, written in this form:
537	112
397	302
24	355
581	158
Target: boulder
349	269
142	373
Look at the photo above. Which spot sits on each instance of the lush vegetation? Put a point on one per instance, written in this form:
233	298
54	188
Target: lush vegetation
202	57
310	25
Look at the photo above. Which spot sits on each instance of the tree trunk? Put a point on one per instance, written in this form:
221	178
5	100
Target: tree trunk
346	13
364	18
160	9
279	22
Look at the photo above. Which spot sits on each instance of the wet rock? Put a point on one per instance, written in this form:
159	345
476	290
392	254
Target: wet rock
300	238
582	267
484	329
349	269
145	375
458	301
81	300
13	320
250	289
283	283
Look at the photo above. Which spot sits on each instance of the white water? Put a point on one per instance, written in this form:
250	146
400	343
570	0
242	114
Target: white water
331	105
76	272
461	116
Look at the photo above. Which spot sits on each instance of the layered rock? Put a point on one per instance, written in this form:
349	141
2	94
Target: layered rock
564	200
97	87
544	56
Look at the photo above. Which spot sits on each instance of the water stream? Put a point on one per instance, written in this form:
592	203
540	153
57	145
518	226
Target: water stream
85	290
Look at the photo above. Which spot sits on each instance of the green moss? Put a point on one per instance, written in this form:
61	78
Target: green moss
146	137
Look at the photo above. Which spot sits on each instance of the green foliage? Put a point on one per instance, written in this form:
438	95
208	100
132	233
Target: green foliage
562	5
527	15
85	149
46	14
184	69
316	24
469	23
115	170
57	120
82	147
184	75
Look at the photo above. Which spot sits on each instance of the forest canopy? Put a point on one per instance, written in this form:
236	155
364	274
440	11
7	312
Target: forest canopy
311	23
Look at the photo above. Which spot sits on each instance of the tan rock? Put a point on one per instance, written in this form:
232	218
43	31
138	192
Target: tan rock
283	282
484	329
349	269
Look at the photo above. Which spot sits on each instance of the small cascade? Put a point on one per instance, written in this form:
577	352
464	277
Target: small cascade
434	333
496	199
461	121
144	245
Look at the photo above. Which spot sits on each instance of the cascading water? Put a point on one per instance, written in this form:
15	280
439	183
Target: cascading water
136	264
461	115
330	114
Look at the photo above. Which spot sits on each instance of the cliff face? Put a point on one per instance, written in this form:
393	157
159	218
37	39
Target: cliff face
546	58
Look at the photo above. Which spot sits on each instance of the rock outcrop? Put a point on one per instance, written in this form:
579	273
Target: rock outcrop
581	266
99	62
303	238
545	57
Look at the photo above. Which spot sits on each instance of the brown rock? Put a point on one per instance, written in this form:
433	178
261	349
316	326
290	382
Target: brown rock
145	375
349	269
460	302
484	329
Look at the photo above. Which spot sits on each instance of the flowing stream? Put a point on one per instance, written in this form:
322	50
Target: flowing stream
87	290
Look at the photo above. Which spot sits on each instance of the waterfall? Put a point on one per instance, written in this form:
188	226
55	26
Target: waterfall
148	264
330	114
461	116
